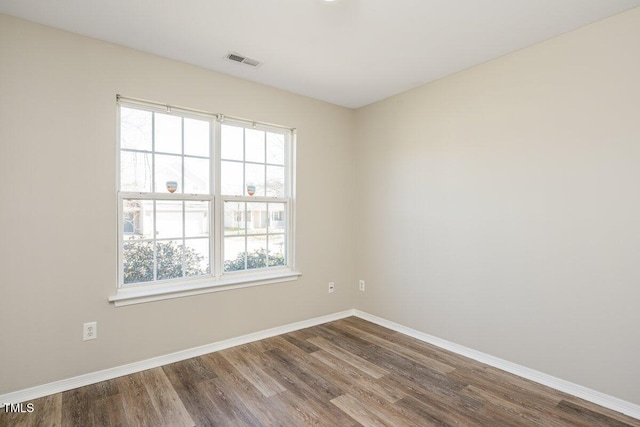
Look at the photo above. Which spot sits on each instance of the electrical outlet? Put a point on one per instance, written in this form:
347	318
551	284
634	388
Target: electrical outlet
332	287
90	331
362	285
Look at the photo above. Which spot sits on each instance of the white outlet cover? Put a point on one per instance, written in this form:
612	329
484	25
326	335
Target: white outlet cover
89	331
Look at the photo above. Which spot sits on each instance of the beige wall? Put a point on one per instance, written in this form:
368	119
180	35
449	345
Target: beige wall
58	215
499	208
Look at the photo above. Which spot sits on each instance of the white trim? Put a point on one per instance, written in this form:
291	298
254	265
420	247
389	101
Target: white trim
573	389
107	374
576	390
140	294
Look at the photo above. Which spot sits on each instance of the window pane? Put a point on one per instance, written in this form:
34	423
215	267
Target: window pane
138	262
135	171
275	148
256	252
234	218
231	179
168	133
137	219
275	181
197	219
196	137
255	178
135	129
234	253
254	145
169	257
256	218
196	257
277	255
168	219
168	168
196	176
277	218
232	146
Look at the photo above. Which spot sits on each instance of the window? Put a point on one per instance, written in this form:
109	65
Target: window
253	187
202	199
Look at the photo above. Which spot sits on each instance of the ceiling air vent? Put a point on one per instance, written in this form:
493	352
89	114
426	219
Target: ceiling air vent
243	59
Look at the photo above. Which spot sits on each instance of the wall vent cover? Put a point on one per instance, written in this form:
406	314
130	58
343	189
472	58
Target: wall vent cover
236	57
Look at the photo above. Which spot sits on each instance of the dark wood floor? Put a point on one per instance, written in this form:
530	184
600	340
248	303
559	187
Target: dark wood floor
344	373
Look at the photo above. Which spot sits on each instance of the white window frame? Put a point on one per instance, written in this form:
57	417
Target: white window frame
217	280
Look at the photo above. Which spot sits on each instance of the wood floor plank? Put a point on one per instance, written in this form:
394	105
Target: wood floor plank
267	410
300	341
189	371
164	398
441	416
345	373
385	359
366	326
344	340
47	411
225	410
616	416
351	377
321	385
197	404
418	357
353	360
92	404
253	373
271	409
530	397
138	405
372	415
514	411
590	417
108	411
307	388
75	408
411	343
358	412
446	402
311	412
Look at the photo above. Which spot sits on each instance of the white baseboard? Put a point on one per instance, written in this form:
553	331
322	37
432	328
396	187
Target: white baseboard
576	390
593	396
107	374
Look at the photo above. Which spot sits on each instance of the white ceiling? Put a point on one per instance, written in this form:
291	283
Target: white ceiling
347	52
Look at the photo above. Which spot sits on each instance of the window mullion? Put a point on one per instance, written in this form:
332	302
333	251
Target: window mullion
184	241
184	203
167	196
217	227
153	189
246	249
153	152
267	239
289	164
120	241
155	241
264	147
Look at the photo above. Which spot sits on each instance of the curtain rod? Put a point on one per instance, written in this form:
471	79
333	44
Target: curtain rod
219	117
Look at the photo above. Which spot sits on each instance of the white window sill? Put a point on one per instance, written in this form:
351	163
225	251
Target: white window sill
142	294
